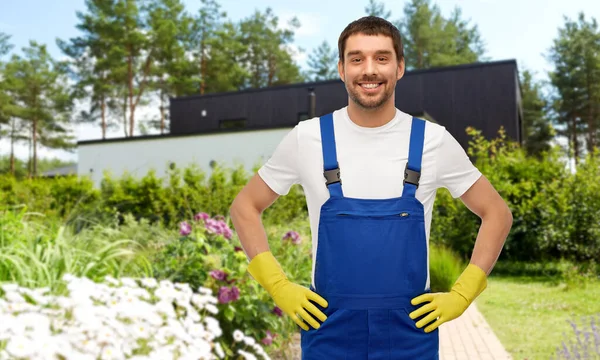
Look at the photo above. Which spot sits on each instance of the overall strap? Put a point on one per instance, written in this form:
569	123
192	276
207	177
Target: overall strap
331	169
412	172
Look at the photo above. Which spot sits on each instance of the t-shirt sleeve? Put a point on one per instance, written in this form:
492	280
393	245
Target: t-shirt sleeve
280	171
455	171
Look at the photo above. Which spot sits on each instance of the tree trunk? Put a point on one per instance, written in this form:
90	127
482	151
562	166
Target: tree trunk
130	82
103	111
34	147
202	65
162	114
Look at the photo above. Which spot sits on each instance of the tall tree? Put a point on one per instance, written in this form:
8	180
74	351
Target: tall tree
10	126
42	98
322	63
225	69
268	55
5	98
537	128
431	40
204	30
92	67
377	8
174	73
576	79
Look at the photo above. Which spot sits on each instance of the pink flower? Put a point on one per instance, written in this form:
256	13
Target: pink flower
268	339
277	311
293	236
218	275
228	294
184	228
201	216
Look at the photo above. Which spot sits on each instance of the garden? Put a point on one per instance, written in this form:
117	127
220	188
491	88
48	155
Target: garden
150	268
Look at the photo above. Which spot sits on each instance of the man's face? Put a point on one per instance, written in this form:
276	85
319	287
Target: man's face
370	69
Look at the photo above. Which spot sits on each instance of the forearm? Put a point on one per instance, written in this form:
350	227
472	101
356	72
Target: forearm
248	225
495	226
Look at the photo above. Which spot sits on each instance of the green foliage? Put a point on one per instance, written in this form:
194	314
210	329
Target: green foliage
38	254
554	210
199	256
575	54
444	268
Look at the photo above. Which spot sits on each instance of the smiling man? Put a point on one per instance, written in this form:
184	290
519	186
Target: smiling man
370	173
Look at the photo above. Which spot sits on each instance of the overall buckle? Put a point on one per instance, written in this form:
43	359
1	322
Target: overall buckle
411	177
332	176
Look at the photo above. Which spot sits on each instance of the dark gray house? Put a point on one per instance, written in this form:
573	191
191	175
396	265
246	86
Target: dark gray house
482	95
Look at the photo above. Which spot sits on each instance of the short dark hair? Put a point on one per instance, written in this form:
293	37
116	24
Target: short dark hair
371	25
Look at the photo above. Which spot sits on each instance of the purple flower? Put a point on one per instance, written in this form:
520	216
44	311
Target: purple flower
201	216
184	228
212	226
228	294
237	248
293	236
277	311
218	275
218	227
268	339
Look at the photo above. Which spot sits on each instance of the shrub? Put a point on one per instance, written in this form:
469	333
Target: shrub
208	253
444	268
38	254
118	319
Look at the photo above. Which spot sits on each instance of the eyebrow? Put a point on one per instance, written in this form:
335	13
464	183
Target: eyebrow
378	52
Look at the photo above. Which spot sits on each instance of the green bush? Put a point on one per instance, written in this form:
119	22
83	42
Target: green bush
554	212
38	254
444	268
207	253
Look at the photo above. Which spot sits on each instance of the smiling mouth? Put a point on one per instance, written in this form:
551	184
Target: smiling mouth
370	86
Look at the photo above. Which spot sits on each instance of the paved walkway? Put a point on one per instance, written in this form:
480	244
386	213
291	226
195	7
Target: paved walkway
467	338
470	337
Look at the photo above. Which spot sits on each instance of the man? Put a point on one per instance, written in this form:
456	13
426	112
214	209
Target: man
370	174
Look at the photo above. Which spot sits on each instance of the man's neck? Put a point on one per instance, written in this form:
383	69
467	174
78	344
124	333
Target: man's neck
371	117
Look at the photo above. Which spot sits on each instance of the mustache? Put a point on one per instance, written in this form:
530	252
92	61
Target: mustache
369	79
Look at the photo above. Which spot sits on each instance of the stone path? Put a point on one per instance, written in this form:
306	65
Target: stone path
468	337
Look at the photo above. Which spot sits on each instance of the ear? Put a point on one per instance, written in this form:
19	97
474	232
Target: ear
401	68
341	70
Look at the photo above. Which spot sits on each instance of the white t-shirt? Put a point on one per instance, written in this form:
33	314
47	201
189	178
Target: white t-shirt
371	162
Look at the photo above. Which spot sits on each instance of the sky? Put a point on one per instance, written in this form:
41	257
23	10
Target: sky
511	29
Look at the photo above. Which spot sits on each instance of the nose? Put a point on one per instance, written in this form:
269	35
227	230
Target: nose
370	67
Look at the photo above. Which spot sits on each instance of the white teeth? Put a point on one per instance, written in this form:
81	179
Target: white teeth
370	86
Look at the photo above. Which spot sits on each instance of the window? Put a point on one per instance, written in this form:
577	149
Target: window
232	124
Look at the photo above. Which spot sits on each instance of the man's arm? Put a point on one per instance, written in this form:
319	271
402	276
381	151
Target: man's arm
496	220
246	211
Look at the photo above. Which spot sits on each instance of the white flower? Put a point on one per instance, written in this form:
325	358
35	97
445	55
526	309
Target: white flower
9	288
149	283
219	350
204	291
238	335
249	341
246	355
108	322
21	347
211	308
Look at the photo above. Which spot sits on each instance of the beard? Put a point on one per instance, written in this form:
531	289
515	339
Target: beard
369	101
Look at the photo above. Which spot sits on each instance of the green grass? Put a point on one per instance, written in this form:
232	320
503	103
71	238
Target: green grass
530	314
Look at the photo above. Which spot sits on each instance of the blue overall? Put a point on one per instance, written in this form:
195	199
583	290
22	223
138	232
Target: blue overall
371	261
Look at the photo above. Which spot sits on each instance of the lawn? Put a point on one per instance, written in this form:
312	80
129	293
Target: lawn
530	315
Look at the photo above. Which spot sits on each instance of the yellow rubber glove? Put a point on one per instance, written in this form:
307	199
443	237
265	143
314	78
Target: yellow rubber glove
447	306
291	298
